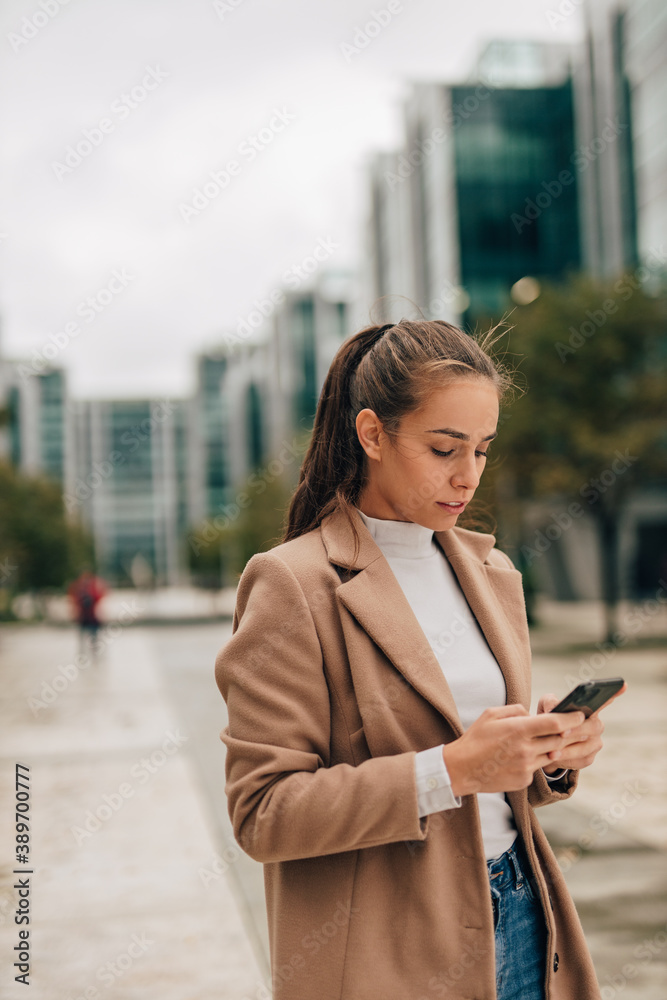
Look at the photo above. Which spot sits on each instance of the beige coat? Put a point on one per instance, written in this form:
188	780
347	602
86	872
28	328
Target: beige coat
332	687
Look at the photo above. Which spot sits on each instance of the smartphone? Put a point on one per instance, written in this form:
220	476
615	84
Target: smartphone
587	698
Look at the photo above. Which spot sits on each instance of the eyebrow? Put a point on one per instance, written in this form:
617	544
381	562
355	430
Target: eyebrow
460	434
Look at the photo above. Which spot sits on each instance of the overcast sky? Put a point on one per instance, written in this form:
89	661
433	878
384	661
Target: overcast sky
183	87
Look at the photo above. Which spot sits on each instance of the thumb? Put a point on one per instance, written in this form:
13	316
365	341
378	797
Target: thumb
547	702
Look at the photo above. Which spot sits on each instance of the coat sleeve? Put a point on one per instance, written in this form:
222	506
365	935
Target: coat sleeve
541	792
285	799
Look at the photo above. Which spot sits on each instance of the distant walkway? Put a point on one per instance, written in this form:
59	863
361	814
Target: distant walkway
161	604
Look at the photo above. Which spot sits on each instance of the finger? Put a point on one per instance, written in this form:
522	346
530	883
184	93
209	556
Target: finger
559	747
502	711
582	746
582	759
561	757
552	741
548	760
554	753
547	702
592	726
553	722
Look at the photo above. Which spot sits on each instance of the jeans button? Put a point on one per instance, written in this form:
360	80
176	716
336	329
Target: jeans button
556	961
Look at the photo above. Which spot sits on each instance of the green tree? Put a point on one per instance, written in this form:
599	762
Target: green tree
591	425
220	547
39	549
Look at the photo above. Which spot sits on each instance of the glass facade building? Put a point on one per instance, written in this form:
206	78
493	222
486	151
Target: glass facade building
645	73
620	88
483	192
129	502
516	191
303	333
214	425
35	437
52	424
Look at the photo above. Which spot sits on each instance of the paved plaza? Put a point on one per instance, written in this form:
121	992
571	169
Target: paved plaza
137	888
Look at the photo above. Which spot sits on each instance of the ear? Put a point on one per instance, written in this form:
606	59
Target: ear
369	428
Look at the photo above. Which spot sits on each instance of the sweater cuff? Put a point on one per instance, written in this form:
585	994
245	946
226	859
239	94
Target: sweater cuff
557	776
434	788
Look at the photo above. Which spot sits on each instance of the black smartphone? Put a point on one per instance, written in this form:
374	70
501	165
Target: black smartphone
588	697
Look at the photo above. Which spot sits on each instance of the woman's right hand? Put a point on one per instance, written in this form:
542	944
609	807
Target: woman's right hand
503	748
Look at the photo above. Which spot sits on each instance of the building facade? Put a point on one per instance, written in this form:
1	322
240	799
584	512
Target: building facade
131	486
483	192
644	25
36	436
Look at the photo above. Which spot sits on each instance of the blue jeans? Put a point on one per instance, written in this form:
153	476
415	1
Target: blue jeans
520	927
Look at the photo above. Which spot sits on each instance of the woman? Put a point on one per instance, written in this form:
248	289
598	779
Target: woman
381	759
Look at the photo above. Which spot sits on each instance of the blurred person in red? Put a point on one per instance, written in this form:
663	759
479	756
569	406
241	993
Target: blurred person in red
86	593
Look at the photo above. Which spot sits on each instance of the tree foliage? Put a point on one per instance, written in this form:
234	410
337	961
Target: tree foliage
39	548
590	426
220	547
593	360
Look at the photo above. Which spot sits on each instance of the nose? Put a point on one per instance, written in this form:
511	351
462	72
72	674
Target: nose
466	474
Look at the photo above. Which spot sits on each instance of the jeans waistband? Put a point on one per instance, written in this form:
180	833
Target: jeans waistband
510	869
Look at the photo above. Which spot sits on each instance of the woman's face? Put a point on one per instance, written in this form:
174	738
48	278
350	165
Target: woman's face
438	455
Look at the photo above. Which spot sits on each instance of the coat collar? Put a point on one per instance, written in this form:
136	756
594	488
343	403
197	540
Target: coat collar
339	542
373	595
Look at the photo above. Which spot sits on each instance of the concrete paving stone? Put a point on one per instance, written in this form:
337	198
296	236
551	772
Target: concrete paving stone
108	706
76	726
146	852
181	954
139	873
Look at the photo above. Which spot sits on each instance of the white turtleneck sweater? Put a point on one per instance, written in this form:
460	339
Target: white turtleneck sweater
470	668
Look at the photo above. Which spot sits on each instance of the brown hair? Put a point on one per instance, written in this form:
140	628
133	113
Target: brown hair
391	369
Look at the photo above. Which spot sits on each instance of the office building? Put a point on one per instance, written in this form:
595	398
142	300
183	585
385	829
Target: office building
483	192
131	486
604	137
35	438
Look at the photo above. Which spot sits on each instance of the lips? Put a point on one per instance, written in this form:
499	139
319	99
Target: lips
454	505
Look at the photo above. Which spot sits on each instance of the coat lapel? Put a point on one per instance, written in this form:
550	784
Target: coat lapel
374	597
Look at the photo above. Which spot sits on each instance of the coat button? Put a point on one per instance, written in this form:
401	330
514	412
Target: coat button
556	961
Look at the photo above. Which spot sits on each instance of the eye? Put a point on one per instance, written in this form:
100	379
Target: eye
444	454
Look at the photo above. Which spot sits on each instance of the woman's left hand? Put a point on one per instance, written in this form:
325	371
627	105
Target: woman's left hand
583	742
